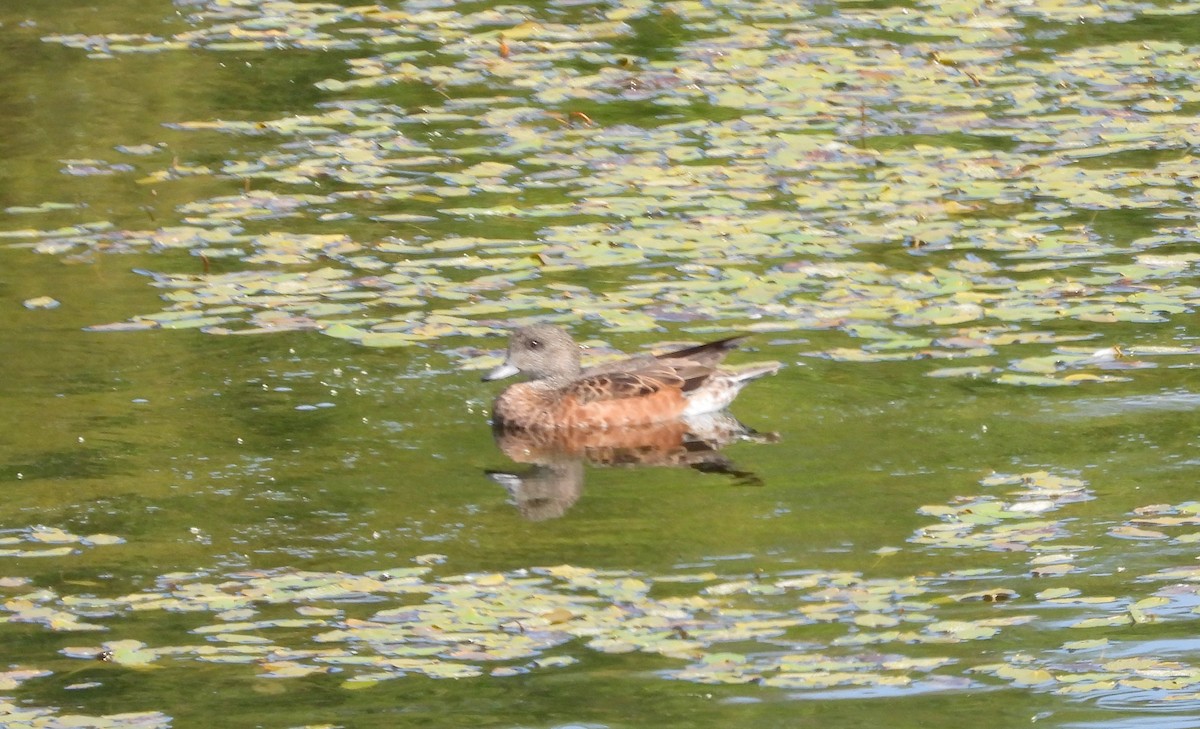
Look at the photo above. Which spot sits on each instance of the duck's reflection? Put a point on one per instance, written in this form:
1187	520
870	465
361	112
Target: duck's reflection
554	482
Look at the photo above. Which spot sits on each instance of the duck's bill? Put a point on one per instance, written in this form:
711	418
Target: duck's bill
504	370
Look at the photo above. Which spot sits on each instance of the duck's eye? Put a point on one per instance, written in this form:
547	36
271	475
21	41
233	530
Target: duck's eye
535	344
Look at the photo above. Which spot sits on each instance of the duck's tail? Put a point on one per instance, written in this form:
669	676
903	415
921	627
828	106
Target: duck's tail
722	386
746	373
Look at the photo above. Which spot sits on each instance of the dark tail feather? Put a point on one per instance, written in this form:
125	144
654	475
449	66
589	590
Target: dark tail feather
709	353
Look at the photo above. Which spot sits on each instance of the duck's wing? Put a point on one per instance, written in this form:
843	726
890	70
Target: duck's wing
694	365
708	354
645	374
623	384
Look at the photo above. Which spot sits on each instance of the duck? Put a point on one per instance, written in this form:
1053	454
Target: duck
560	394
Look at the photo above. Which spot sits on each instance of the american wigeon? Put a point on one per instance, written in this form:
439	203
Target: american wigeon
638	390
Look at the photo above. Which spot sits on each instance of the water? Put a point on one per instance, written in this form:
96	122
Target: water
225	465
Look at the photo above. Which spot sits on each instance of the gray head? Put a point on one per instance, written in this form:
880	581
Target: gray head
541	352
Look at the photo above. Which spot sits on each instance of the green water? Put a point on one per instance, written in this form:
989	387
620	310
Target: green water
213	456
